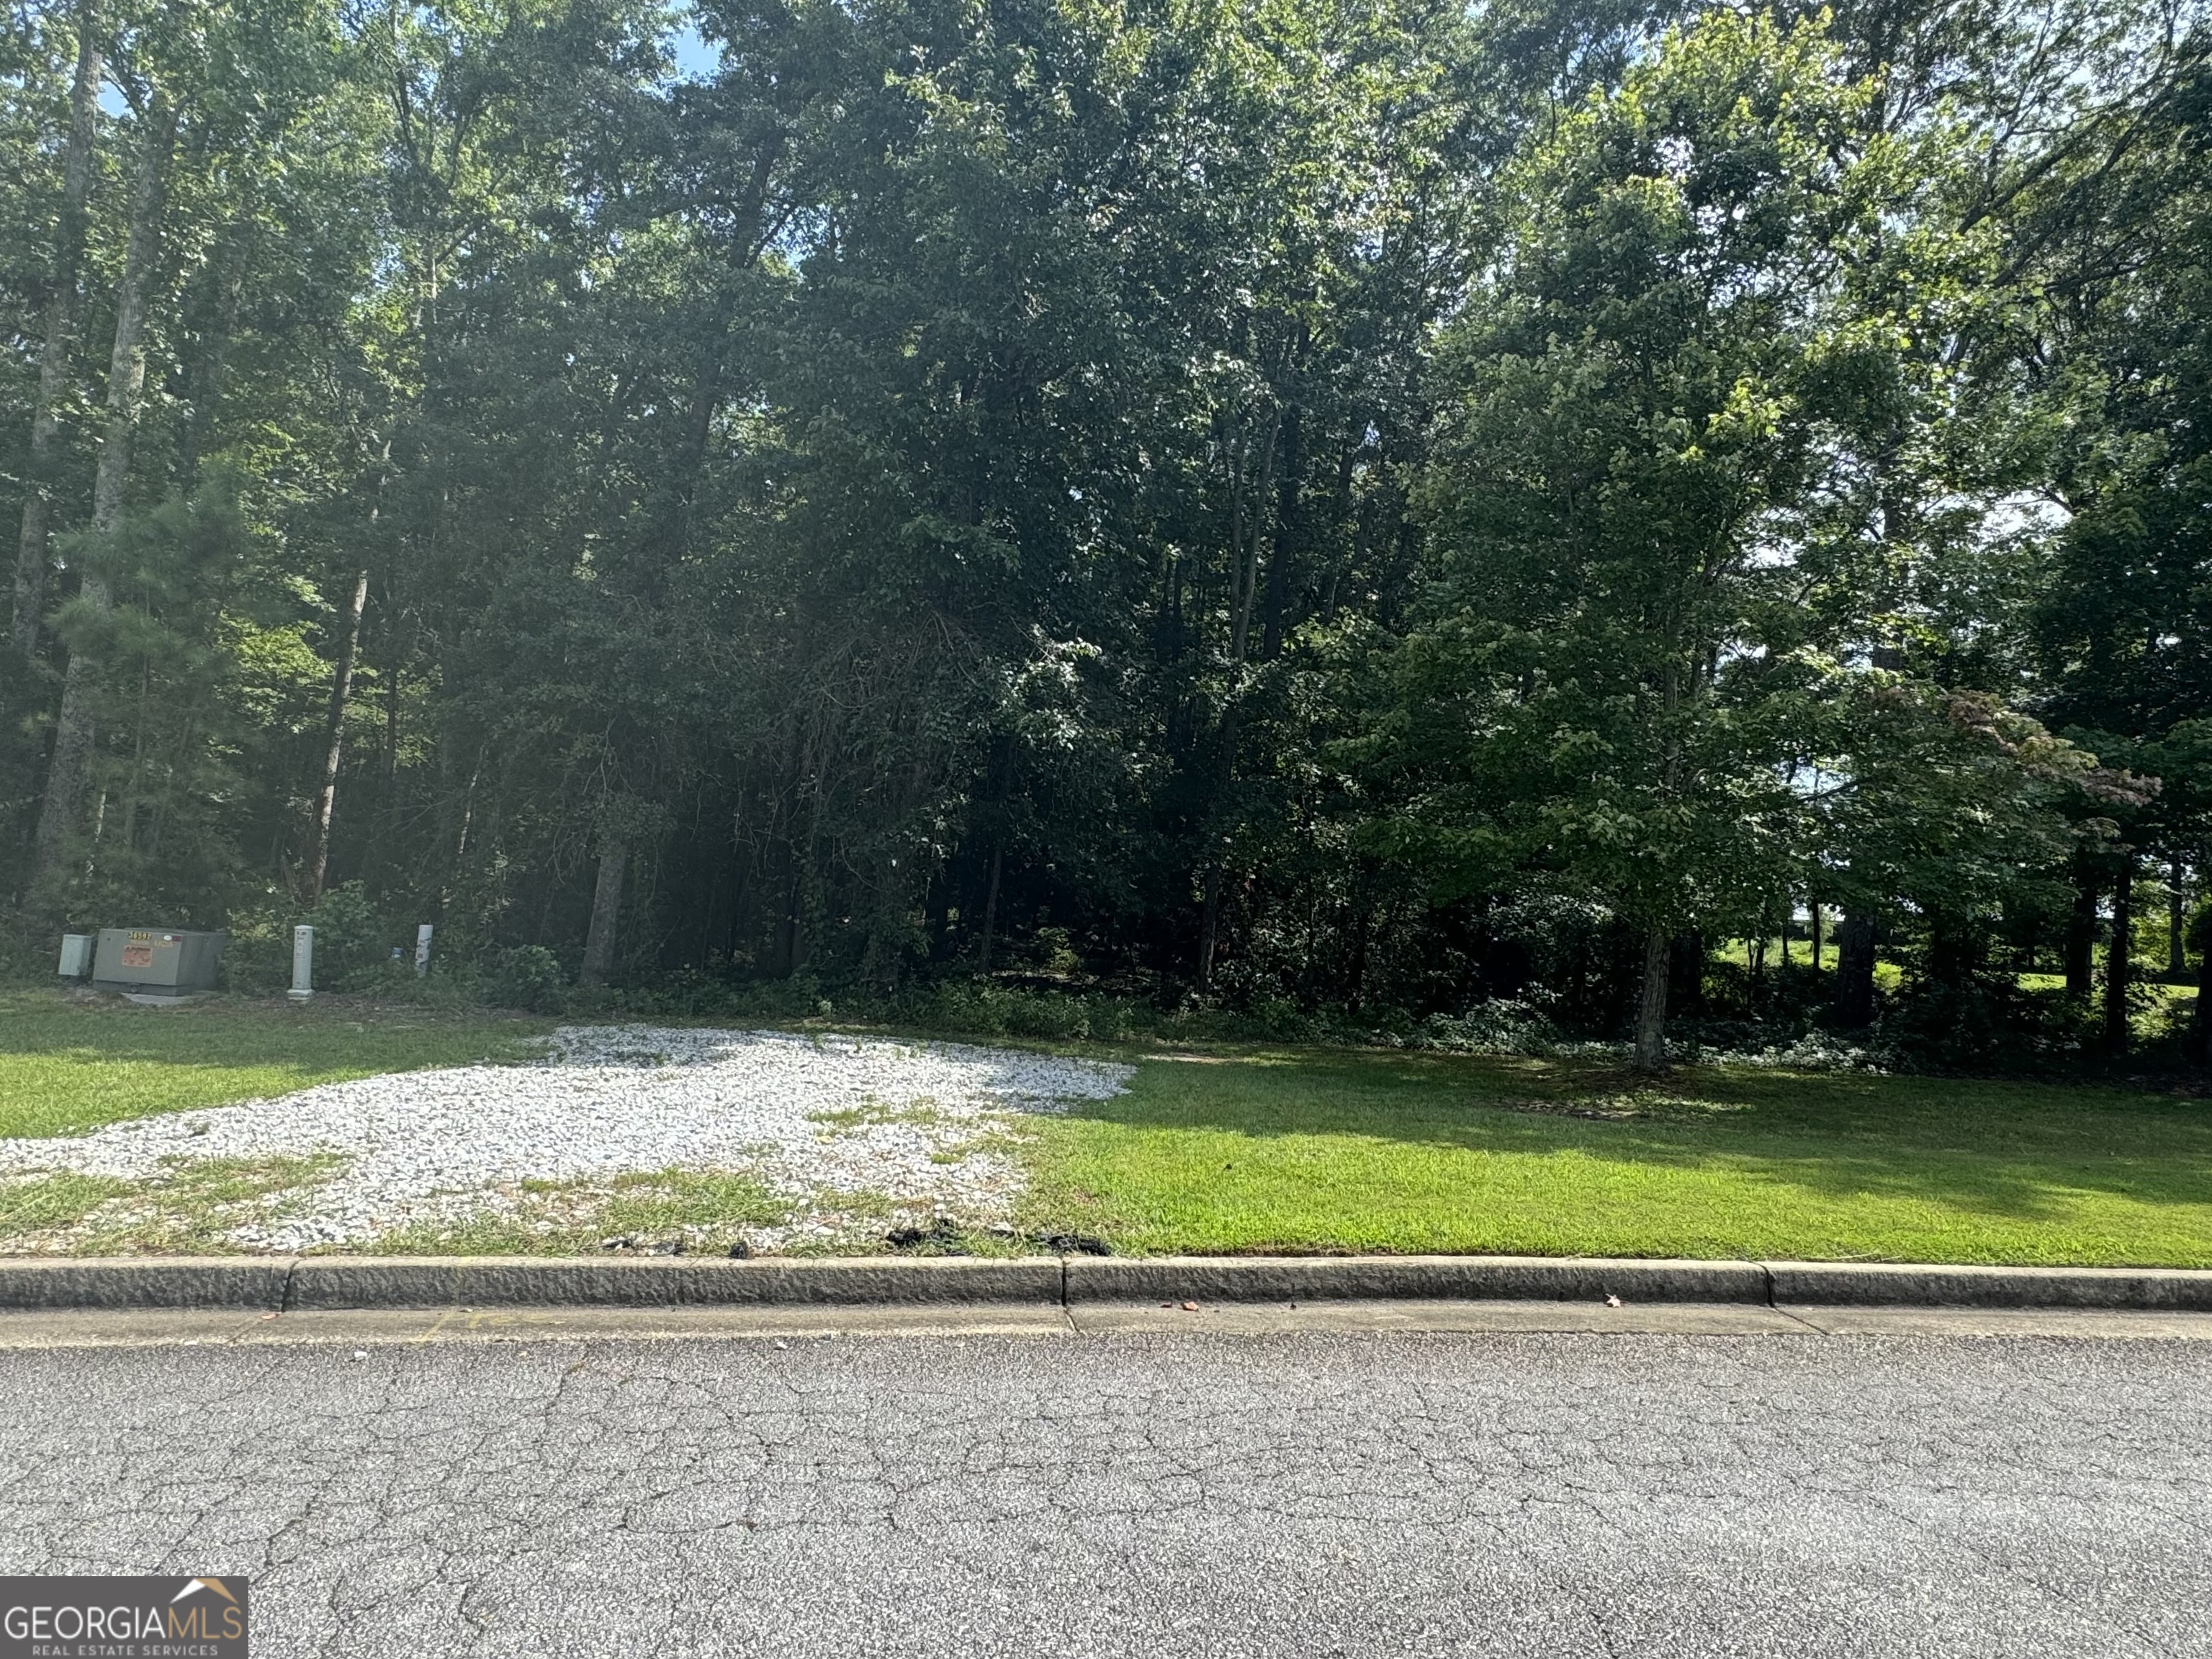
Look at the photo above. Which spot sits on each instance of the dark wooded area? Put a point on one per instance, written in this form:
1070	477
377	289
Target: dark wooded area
1501	515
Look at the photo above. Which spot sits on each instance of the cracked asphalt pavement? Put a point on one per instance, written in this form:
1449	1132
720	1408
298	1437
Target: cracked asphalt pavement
1154	1494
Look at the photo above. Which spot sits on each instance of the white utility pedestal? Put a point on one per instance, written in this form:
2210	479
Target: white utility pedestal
303	963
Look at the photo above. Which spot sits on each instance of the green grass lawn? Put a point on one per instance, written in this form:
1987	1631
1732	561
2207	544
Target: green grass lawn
2164	993
1249	1150
68	1064
1325	1150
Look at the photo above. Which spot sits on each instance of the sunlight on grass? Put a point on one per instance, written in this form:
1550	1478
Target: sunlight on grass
70	1064
1411	1153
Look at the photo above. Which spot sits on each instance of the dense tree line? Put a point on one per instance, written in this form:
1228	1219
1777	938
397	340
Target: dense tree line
1378	505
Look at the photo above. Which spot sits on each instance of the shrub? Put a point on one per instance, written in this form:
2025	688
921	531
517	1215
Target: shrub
525	976
1982	1024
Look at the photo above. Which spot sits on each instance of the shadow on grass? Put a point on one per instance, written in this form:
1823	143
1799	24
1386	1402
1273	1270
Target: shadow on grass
2015	1150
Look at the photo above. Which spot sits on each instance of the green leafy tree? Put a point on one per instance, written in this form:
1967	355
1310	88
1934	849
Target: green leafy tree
1705	328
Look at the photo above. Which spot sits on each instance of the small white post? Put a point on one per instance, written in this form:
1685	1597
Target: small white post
303	963
423	950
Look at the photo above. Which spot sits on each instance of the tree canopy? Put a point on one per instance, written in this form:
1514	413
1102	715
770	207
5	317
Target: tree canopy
1392	508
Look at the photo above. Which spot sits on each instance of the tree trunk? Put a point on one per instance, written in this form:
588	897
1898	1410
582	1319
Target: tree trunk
318	835
387	788
1244	554
1685	971
1813	920
1651	1002
2118	951
1651	1006
60	326
606	910
1855	971
207	378
1286	534
2081	935
1356	980
126	382
1956	949
803	866
1004	765
794	917
1244	577
2177	916
1209	928
990	908
2196	1042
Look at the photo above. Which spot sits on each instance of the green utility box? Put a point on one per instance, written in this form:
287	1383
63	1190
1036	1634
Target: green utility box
157	959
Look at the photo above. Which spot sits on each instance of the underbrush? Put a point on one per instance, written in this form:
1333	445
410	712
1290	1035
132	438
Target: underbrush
1991	1023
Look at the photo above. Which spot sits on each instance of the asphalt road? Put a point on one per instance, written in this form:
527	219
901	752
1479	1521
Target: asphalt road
1142	1493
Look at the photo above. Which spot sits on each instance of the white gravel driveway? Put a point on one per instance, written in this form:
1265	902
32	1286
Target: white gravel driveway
819	1120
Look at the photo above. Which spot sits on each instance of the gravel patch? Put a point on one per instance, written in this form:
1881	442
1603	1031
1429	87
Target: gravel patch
838	1124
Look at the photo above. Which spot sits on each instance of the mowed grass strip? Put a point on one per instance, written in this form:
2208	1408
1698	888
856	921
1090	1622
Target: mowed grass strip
70	1063
1301	1150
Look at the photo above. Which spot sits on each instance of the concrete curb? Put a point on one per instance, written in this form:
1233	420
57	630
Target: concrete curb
1885	1284
321	1283
186	1282
1473	1277
665	1282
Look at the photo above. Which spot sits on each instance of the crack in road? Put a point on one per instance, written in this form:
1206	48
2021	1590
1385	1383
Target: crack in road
1289	1495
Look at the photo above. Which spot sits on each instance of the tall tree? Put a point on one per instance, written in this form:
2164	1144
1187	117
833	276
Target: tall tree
57	333
1710	310
58	817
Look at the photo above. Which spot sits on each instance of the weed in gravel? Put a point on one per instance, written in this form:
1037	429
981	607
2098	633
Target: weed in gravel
196	1208
669	1212
40	1203
922	1112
